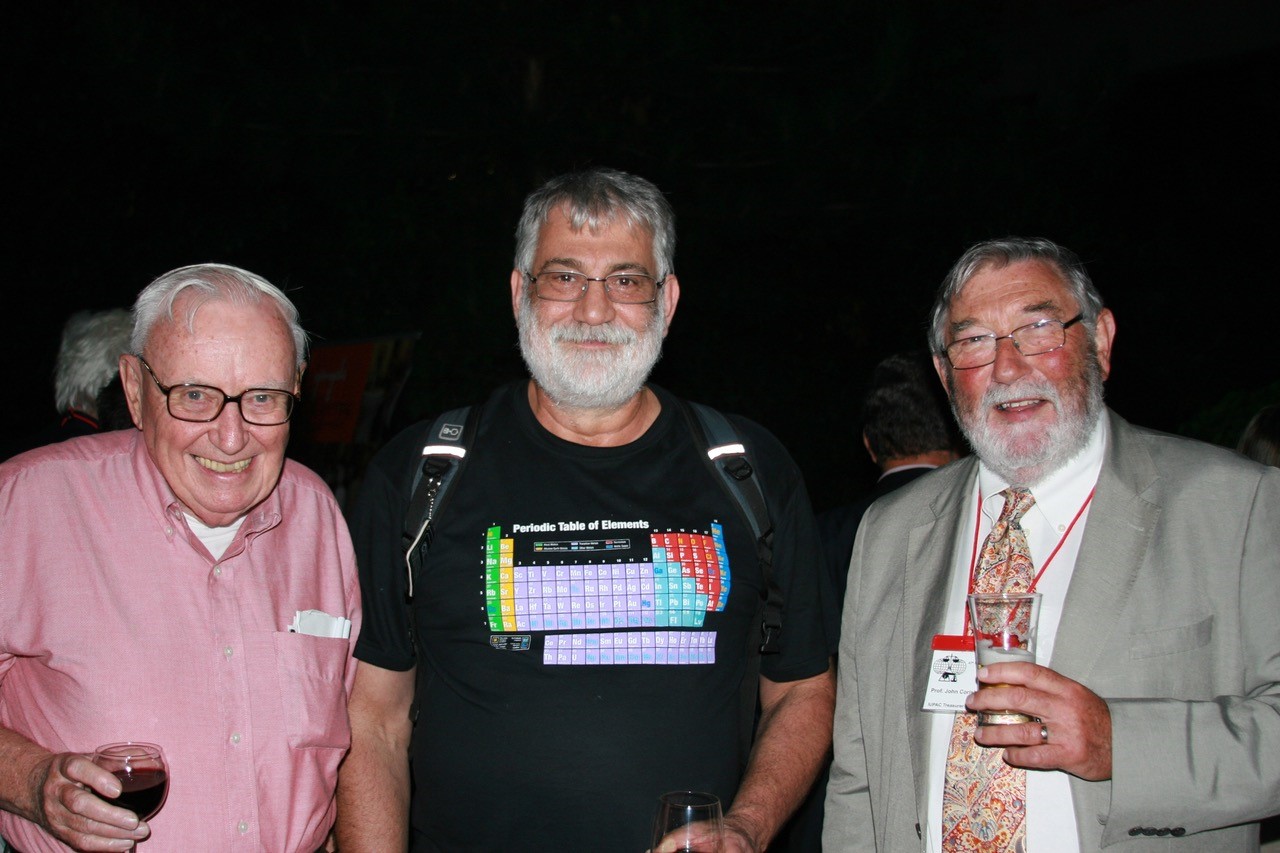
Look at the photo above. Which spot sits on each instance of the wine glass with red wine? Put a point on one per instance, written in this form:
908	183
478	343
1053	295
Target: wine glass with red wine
143	775
692	821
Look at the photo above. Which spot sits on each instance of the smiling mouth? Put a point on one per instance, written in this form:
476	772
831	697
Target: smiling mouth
223	467
1013	405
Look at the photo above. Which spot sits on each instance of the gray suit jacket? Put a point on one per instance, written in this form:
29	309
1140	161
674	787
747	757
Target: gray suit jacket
1172	616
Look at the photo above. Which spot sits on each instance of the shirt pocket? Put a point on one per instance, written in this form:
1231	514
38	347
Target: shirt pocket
312	690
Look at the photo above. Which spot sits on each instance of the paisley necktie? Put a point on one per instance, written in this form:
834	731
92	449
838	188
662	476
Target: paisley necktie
984	800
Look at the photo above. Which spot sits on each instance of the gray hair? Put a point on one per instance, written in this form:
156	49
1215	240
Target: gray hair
89	357
594	198
210	283
999	254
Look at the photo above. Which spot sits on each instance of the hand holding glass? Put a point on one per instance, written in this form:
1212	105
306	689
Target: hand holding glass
143	775
688	822
1004	631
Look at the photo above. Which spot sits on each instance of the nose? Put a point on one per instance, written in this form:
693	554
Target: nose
1010	364
229	431
594	308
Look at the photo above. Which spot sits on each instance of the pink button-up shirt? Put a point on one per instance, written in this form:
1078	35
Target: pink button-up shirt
117	624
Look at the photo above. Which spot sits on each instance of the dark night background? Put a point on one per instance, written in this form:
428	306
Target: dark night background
827	163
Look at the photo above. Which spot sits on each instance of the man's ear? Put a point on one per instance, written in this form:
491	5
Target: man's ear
131	381
1104	334
669	299
867	444
517	291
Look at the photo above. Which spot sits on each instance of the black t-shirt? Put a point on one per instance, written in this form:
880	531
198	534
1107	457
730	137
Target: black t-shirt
582	621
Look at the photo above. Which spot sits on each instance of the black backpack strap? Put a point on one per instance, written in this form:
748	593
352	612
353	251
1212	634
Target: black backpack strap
443	456
727	458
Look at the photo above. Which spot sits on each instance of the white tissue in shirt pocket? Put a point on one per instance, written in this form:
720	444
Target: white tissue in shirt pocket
317	623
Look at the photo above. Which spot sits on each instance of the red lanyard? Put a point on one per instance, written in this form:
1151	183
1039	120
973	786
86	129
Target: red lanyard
973	561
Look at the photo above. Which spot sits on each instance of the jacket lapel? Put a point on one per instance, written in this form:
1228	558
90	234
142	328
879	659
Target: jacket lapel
931	550
1116	537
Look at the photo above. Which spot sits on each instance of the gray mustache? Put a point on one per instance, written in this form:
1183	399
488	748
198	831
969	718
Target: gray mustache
580	333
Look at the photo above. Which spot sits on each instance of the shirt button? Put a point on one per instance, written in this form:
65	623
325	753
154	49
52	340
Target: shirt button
243	826
227	651
217	571
235	738
168	531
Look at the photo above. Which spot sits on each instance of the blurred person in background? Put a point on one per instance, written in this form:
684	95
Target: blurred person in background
907	432
1260	440
86	382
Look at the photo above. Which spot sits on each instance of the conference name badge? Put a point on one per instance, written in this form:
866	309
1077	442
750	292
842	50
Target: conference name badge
953	673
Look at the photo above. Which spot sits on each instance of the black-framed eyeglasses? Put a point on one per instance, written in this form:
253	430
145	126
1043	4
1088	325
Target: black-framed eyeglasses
624	288
1032	339
200	404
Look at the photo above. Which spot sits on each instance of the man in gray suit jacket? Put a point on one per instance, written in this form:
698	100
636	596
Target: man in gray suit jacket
1157	689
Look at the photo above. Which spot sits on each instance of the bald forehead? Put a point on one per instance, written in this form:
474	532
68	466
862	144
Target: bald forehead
209	316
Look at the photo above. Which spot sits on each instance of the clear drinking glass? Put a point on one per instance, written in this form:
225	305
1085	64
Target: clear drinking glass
692	821
143	774
1004	631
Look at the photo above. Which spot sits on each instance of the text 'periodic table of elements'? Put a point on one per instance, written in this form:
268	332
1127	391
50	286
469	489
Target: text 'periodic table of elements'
630	611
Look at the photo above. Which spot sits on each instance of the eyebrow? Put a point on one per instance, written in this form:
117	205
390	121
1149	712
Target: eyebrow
286	386
576	265
1042	307
288	389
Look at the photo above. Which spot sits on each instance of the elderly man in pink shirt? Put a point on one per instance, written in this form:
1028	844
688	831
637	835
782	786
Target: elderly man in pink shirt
183	584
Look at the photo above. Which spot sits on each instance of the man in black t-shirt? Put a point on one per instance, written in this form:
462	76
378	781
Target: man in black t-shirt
577	640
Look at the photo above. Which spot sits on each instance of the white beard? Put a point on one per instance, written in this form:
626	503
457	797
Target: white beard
603	380
1026	454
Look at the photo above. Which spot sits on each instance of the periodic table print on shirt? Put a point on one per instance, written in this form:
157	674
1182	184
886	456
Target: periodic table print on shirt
636	597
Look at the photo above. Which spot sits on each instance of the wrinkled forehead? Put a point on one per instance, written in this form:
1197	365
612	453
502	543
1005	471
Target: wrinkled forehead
620	241
1019	287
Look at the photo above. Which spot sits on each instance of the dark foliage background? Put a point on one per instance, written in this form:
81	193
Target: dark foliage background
827	162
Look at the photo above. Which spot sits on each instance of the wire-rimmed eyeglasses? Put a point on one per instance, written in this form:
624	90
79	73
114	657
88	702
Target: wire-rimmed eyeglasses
1035	338
199	404
624	288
